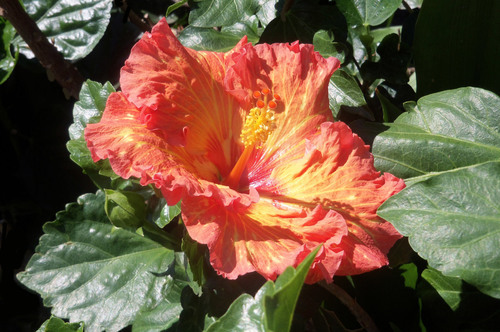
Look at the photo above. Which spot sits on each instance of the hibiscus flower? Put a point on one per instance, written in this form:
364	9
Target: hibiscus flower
245	140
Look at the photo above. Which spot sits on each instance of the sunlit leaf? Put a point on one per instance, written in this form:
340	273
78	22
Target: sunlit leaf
216	13
343	90
272	307
54	324
89	109
449	288
74	27
208	39
167	214
441	132
324	43
88	270
453	221
367	12
125	209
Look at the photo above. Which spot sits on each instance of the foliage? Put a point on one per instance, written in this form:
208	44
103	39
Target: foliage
121	257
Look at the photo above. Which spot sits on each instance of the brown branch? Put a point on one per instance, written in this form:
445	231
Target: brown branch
142	23
407	7
361	316
57	67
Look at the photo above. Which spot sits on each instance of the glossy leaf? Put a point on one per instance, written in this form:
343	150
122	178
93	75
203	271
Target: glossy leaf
441	132
453	221
89	109
343	90
167	214
74	27
88	270
7	60
208	39
175	6
216	13
54	324
449	288
367	12
324	43
272	307
267	11
125	209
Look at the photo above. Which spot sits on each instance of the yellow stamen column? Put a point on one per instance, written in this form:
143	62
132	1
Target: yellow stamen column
259	124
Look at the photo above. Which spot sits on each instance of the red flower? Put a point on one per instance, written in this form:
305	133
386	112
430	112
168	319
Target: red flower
242	139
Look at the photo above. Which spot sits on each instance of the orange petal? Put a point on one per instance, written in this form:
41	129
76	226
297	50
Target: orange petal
180	92
132	149
264	237
297	74
334	168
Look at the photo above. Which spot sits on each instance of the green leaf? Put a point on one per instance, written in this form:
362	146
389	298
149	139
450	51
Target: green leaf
7	61
323	42
302	21
175	6
455	45
167	214
272	307
216	13
88	270
74	27
343	90
449	304
89	109
196	253
453	221
449	288
54	324
367	12
442	132
267	11
125	209
208	39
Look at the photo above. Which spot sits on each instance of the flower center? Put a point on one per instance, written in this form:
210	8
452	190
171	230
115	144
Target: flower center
259	124
260	121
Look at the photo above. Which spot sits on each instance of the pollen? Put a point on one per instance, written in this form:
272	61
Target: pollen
260	121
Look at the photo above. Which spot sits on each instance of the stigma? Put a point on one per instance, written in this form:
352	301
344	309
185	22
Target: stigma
260	121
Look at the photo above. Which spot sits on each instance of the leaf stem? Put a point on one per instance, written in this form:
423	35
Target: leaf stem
362	317
49	57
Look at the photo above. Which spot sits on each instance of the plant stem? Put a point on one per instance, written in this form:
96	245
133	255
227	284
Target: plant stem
49	57
361	316
142	24
407	7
